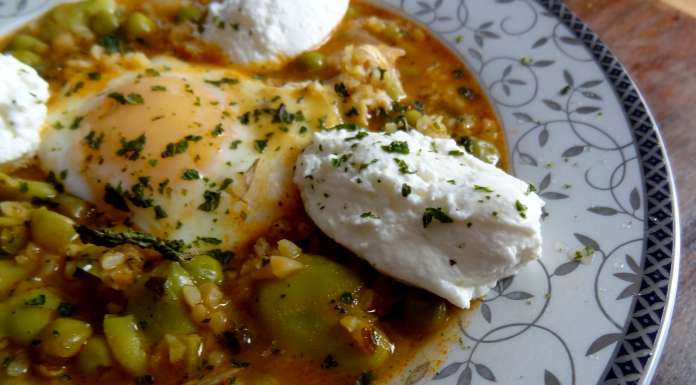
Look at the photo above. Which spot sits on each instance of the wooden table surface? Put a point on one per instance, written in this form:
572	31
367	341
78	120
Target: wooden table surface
657	44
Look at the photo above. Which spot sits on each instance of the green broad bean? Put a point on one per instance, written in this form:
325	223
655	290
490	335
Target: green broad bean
204	268
189	13
92	7
52	230
26	323
11	274
126	343
12	188
13	238
485	150
312	60
69	16
299	313
104	23
72	206
64	337
412	117
23	41
95	355
138	25
28	57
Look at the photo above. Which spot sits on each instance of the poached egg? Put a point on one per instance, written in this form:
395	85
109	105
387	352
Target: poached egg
420	209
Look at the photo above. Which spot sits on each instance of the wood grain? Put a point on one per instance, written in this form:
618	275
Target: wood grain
657	44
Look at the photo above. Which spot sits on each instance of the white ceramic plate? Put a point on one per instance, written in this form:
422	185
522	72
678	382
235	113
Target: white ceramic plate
578	128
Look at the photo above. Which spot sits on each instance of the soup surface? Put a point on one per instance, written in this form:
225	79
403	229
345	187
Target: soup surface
88	296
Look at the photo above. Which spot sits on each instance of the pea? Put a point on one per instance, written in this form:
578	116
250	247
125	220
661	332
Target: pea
52	230
64	337
189	13
412	117
204	268
25	323
95	355
485	150
25	189
27	57
138	25
10	275
13	239
72	206
126	343
312	60
69	16
104	23
92	7
27	42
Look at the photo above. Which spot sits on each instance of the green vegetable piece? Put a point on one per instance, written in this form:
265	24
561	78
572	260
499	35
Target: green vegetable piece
126	343
485	150
312	60
138	25
95	355
412	117
423	313
104	23
69	16
13	239
64	337
26	323
189	13
155	302
92	7
12	188
300	314
10	275
28	58
26	42
204	268
72	206
52	230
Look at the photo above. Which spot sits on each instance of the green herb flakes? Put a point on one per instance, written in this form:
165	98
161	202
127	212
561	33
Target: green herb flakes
190	174
396	147
435	213
130	149
405	190
211	201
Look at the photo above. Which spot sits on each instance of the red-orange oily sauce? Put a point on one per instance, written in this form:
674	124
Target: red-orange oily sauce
433	78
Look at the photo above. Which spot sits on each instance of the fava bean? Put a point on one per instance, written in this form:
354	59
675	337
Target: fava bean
412	117
64	337
485	150
69	16
312	60
27	42
189	13
104	22
92	7
52	230
25	323
139	25
95	355
204	268
72	206
126	343
13	188
27	57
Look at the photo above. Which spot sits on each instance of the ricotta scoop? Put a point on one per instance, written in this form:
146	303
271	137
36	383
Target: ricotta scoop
23	96
420	209
257	31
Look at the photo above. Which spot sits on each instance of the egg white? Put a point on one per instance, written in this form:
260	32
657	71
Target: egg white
242	144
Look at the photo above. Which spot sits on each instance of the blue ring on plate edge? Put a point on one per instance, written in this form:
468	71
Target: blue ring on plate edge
636	356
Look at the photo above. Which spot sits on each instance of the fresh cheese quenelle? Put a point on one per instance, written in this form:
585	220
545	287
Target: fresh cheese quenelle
420	209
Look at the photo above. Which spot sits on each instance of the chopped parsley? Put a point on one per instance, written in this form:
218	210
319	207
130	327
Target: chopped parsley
94	141
340	160
345	126
113	196
359	136
403	167
217	131
530	189
224	256
130	149
260	145
160	213
521	208
158	88
396	147
235	144
455	153
211	201
36	301
586	251
368	214
94	76
459	73
222	81
245	118
190	174
341	90
435	213
482	188
76	122
131	98
226	183
405	190
179	147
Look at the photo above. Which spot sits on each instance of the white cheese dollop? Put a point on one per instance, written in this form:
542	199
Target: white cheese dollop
435	217
257	31
23	96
